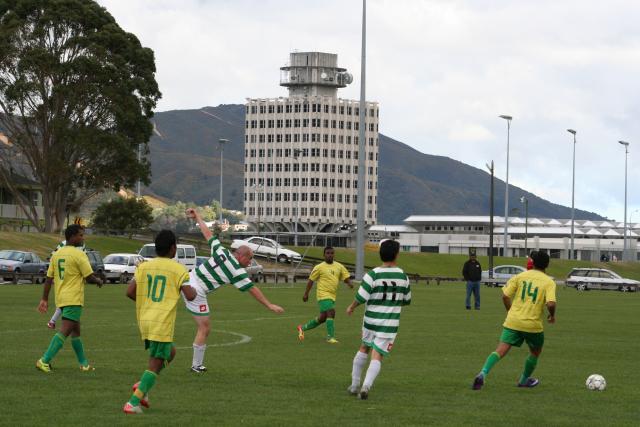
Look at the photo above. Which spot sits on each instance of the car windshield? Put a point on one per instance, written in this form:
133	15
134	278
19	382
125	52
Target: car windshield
12	255
116	259
148	251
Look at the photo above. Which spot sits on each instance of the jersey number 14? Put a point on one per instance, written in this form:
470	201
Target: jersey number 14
526	291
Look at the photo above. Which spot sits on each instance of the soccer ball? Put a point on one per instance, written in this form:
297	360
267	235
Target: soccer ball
596	382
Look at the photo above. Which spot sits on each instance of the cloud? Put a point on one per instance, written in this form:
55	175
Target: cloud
442	70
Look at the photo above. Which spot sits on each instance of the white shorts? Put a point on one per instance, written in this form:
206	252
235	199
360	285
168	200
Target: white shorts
199	306
372	340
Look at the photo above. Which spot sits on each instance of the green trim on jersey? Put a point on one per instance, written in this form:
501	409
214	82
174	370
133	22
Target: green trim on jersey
204	279
376	315
375	347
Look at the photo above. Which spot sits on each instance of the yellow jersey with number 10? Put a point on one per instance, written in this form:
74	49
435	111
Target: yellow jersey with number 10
68	267
529	292
158	284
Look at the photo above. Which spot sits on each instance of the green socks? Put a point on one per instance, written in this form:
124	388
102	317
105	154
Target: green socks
331	330
146	382
54	347
529	366
313	323
491	360
76	343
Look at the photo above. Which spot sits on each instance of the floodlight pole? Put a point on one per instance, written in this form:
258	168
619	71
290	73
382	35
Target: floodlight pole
506	190
362	185
526	222
572	252
491	169
624	243
222	141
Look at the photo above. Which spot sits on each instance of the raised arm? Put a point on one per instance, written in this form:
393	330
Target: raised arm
193	214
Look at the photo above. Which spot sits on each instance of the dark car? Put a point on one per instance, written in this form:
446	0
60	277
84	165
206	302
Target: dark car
95	259
22	262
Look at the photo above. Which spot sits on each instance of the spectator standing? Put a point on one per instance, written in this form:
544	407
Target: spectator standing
472	273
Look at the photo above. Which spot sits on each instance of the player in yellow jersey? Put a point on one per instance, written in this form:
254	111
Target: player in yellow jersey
68	269
156	289
524	297
327	275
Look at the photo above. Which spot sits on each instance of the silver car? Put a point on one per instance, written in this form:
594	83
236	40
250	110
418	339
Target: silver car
21	262
584	279
502	274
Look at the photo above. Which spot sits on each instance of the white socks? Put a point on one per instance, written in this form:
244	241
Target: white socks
358	364
56	315
198	355
372	373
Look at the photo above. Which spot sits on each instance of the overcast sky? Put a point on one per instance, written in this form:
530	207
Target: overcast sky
442	71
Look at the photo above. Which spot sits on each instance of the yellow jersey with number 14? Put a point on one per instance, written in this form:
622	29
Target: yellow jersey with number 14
529	292
158	284
68	267
327	278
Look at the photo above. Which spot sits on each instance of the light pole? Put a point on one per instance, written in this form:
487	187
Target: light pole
526	223
506	189
491	169
257	191
624	243
221	141
296	154
572	252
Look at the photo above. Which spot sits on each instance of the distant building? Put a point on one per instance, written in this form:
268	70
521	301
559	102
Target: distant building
11	215
455	234
301	152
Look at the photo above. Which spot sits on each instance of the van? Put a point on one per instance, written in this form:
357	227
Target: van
185	254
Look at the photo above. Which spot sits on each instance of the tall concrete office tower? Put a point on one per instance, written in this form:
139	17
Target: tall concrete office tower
301	152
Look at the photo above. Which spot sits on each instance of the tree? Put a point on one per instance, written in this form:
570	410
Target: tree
76	96
124	215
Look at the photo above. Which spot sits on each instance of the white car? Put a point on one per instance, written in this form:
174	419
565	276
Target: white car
121	267
269	248
584	279
502	274
185	254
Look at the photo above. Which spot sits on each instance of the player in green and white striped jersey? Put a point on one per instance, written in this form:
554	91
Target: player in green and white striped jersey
221	268
384	290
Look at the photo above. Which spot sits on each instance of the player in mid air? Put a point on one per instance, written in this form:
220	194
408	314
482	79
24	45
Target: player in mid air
524	297
156	289
328	275
384	290
68	269
222	267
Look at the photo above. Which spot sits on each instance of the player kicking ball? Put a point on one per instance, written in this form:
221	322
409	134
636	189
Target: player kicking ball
524	297
384	291
156	289
327	275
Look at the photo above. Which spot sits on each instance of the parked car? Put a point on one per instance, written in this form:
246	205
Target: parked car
95	259
501	274
584	279
254	270
121	267
22	262
262	246
185	254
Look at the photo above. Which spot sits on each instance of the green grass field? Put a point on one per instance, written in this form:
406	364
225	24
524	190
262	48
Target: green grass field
275	380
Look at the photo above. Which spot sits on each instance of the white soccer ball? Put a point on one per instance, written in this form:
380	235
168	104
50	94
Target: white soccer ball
596	382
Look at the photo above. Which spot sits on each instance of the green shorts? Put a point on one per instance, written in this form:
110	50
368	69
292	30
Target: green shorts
72	312
159	350
515	338
326	305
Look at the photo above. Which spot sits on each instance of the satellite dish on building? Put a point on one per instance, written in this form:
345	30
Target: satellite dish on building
348	78
323	76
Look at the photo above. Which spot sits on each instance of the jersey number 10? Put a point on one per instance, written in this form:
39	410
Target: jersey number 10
152	287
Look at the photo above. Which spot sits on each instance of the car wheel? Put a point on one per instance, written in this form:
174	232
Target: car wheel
124	278
623	289
15	276
282	258
581	287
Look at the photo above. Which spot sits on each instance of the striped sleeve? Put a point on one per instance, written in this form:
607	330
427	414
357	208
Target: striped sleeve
214	243
364	291
407	296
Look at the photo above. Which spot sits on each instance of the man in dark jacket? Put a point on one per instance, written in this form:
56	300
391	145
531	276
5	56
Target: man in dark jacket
472	273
